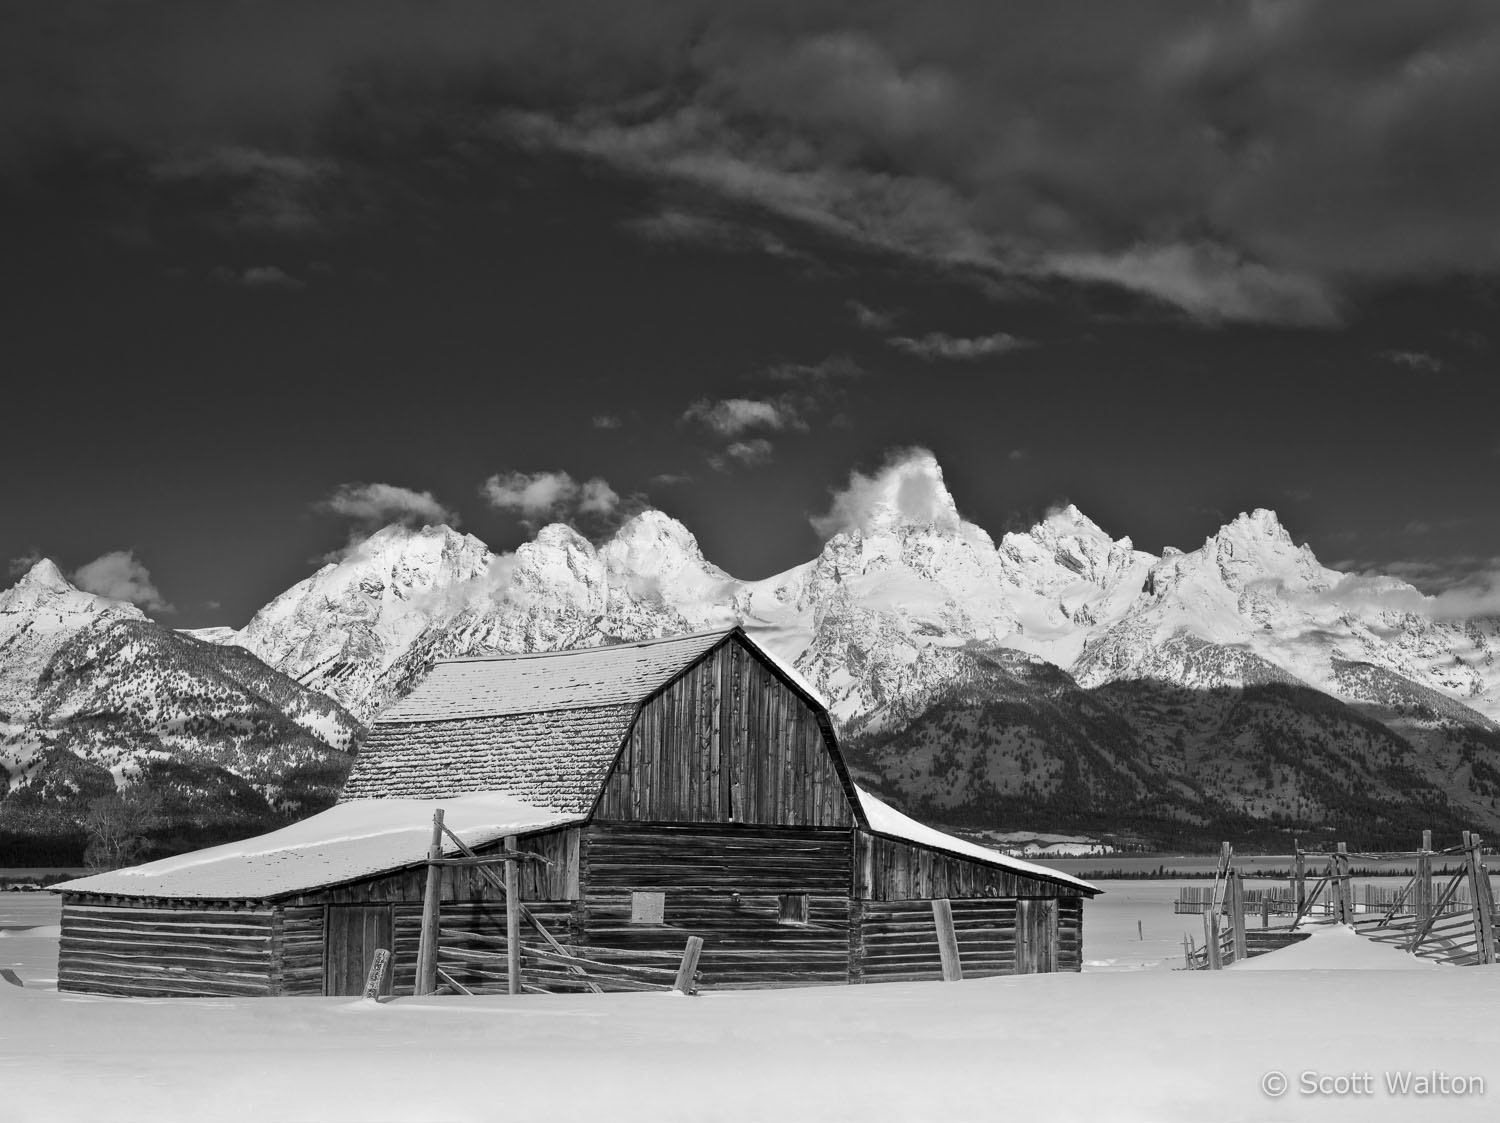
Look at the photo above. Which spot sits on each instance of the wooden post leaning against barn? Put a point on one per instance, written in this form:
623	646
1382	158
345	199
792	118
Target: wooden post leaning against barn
687	970
942	915
512	921
378	965
427	949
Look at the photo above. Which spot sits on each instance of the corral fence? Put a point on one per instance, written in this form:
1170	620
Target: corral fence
1453	924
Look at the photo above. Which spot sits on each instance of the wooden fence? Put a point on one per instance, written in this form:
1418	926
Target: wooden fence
1454	924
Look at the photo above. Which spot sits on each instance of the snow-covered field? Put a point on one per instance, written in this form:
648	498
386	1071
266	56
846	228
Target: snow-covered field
1338	1016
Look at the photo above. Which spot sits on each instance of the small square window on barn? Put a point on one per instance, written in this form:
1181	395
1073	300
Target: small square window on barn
793	908
647	908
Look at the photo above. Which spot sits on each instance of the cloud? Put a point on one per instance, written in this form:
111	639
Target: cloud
1209	282
21	565
255	191
257	277
119	575
605	421
540	497
867	317
826	370
374	505
1418	361
908	487
744	454
1238	162
675	226
671	479
1464	588
269	276
729	417
939	345
1016	455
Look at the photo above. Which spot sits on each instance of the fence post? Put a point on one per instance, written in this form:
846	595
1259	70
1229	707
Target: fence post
942	915
1346	891
427	949
1299	877
512	921
1422	891
687	971
1479	900
378	965
1237	914
1211	934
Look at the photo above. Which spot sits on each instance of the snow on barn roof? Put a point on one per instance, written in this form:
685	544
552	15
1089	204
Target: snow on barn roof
886	820
344	843
497	685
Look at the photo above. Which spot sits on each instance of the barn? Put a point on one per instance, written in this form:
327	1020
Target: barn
690	786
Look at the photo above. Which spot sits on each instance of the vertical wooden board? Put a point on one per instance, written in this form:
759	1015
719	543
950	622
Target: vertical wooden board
717	801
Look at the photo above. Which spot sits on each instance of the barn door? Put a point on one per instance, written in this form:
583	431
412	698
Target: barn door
354	933
1036	935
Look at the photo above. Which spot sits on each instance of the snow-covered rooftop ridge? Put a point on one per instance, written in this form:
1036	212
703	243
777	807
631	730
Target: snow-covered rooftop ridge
886	820
577	678
345	843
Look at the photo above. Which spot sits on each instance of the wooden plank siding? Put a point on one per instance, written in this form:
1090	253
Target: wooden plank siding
728	741
165	951
725	884
888	870
898	939
557	880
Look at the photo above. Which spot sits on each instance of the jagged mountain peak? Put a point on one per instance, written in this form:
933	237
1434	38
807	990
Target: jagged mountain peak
44	588
45	575
654	544
910	493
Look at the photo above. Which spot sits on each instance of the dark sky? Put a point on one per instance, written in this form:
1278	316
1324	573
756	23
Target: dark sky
275	274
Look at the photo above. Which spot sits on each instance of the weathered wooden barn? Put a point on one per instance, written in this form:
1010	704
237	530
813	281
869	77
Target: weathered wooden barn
688	786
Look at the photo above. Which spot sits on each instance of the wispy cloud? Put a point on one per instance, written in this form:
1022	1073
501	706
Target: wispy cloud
606	421
374	505
120	575
729	417
742	454
370	506
824	371
869	318
21	564
1418	361
264	192
539	497
940	345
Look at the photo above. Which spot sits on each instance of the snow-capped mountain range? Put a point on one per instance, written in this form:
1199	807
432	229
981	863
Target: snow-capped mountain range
911	614
862	618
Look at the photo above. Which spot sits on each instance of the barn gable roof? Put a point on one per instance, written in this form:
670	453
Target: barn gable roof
545	728
581	678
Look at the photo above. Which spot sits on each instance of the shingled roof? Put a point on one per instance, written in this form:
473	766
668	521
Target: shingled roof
544	728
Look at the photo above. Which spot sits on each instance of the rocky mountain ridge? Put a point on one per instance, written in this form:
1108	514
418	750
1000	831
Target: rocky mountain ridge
98	698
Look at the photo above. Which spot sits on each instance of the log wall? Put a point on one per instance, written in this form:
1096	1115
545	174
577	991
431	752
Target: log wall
728	741
897	940
195	950
889	870
725	884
